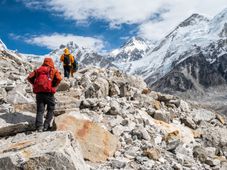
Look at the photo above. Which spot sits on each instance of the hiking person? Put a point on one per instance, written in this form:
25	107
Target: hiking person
67	60
44	80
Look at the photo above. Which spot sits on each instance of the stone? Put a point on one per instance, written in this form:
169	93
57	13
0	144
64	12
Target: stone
125	90
152	153
27	107
188	122
212	162
113	89
163	116
13	123
103	87
115	108
200	153
215	136
118	130
202	115
146	91
63	86
184	106
3	95
157	105
165	97
49	150
220	118
211	151
97	144
118	164
18	96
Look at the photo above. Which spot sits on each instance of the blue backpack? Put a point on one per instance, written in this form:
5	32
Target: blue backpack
75	65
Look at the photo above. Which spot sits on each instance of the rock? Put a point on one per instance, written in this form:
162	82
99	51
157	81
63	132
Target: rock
188	122
118	130
220	118
63	86
125	90
163	116
118	164
152	153
211	151
103	87
212	162
202	115
19	96
3	95
113	89
27	107
184	106
13	123
157	105
114	108
146	91
165	97
97	144
141	133
49	150
99	88
200	153
215	136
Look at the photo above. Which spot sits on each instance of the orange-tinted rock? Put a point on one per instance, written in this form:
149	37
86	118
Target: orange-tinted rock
146	91
157	105
97	143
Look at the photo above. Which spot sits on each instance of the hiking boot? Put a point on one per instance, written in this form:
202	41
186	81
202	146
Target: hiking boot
45	129
39	129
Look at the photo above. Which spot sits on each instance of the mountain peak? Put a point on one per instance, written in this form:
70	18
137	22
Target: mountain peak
193	19
133	41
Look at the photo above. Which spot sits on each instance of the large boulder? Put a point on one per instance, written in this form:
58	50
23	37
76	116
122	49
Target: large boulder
12	123
97	143
63	86
19	95
98	89
202	115
49	150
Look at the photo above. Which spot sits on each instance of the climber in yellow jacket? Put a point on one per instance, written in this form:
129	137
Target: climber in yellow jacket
67	60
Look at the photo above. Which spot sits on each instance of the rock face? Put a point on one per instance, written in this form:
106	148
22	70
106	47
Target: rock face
97	144
50	150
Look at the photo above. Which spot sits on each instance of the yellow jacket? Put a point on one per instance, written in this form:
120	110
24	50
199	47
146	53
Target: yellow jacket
71	58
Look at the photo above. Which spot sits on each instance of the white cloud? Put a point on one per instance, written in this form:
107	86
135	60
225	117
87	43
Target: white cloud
55	40
117	12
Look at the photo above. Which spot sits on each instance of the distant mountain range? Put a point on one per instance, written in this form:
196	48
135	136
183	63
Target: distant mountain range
191	59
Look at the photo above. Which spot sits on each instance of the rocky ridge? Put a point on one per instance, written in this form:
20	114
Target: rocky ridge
106	119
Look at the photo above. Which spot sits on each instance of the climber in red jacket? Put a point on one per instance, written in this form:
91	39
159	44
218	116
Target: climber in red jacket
44	80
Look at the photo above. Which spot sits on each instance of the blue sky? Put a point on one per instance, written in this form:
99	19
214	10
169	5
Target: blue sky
39	26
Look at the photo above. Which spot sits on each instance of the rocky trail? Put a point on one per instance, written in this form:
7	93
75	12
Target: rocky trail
104	120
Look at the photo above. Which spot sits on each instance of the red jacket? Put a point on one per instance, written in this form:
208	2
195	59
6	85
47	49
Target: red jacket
53	73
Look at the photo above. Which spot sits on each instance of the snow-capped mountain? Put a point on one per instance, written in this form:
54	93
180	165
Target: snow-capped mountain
84	56
132	50
185	58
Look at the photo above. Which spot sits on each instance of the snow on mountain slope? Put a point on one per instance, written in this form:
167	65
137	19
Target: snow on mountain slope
132	50
194	35
2	46
84	56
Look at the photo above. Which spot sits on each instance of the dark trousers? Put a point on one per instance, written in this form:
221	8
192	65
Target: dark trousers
67	71
43	99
